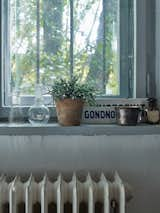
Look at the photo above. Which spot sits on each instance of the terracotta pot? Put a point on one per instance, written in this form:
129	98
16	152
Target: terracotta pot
69	111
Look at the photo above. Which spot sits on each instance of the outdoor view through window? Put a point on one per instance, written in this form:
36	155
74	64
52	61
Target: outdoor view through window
90	26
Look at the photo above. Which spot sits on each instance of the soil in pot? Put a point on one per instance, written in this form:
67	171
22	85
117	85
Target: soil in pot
69	111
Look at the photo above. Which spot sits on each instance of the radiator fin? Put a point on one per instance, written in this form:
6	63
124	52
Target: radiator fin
61	192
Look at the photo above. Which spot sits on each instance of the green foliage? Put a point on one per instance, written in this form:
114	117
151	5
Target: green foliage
55	43
73	89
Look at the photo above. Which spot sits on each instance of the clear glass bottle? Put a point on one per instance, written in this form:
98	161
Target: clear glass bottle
38	114
16	115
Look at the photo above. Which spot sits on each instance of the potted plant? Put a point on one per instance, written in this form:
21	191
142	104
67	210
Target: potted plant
70	96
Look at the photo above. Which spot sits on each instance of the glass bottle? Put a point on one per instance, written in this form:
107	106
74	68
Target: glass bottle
16	115
38	114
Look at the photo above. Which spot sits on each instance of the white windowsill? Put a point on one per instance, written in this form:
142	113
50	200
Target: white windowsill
84	129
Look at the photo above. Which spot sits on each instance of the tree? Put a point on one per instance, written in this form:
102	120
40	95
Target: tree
103	59
52	25
55	42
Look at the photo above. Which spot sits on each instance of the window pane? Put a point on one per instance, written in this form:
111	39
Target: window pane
23	45
55	57
95	44
79	36
54	42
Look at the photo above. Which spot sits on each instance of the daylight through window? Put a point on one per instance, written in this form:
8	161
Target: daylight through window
79	37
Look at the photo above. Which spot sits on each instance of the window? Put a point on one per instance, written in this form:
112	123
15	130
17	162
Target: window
90	38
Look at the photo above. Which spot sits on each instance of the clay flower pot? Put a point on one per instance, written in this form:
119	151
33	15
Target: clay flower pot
69	111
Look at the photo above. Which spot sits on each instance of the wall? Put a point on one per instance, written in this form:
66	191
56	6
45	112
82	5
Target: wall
136	158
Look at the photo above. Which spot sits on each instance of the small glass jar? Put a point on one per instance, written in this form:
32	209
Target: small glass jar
38	114
153	113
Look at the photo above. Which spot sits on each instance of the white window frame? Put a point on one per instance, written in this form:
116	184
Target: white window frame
157	11
142	72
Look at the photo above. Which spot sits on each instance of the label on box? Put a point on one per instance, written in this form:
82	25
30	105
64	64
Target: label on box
105	115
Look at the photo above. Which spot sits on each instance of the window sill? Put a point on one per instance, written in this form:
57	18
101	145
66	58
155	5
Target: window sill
84	129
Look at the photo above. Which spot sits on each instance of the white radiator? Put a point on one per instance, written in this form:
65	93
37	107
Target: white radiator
111	194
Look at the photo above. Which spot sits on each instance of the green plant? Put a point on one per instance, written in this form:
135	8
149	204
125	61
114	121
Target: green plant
73	89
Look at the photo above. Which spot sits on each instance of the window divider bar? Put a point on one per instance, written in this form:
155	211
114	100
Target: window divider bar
1	50
71	37
123	33
130	48
38	41
140	44
5	45
104	46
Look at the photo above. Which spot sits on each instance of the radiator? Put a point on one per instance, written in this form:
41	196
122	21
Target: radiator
112	194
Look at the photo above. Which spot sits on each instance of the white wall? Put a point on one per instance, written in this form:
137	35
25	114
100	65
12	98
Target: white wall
136	158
